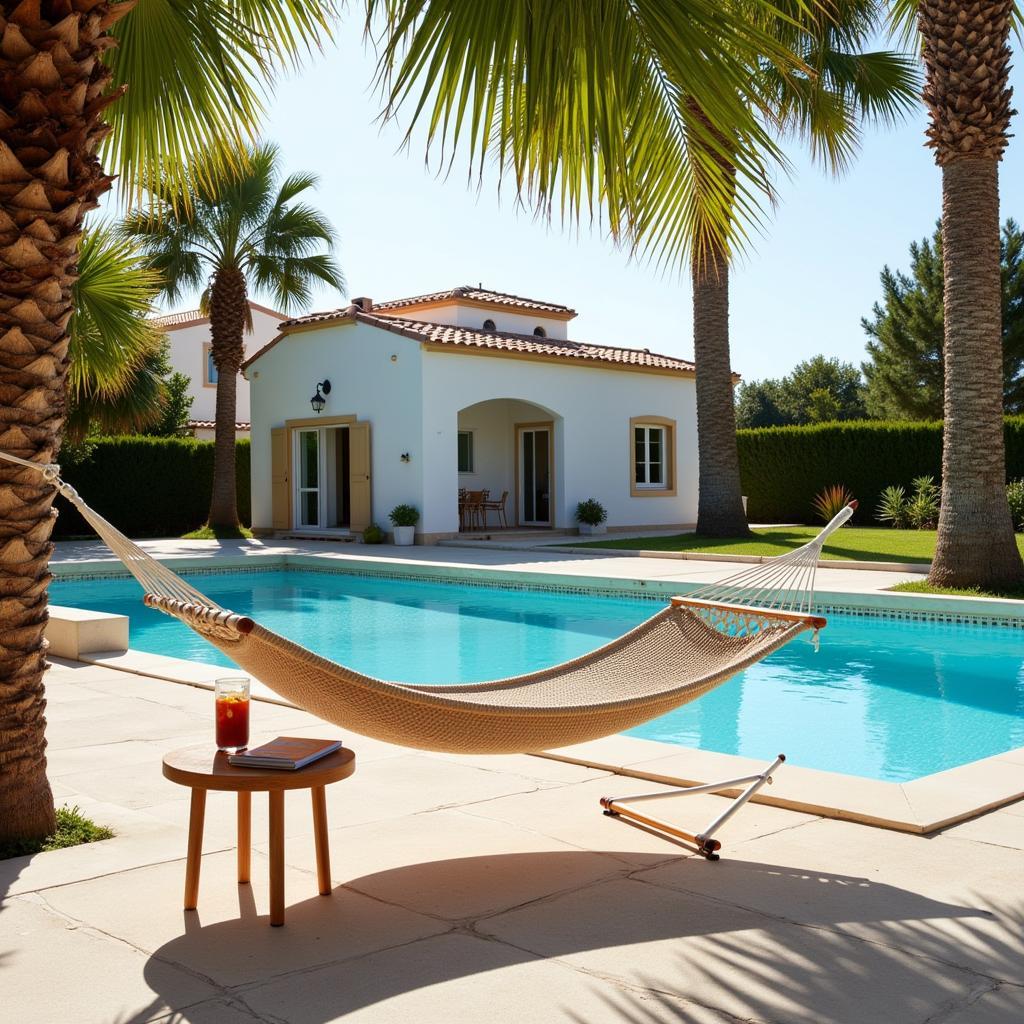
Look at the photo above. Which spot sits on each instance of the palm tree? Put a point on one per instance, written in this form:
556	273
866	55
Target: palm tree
196	72
587	102
824	103
227	233
967	62
115	352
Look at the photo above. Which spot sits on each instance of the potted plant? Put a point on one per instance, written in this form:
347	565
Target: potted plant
404	519
591	515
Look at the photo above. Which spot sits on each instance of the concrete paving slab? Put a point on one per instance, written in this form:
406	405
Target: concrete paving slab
740	962
452	865
464	979
229	937
86	976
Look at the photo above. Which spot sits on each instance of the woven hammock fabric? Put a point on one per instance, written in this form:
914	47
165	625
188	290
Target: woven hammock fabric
673	657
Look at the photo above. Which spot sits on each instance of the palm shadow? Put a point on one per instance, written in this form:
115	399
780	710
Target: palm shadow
648	899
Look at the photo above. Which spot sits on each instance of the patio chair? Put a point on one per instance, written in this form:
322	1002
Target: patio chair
677	655
475	510
496	505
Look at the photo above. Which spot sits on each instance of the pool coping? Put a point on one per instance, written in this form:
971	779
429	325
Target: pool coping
945	607
920	806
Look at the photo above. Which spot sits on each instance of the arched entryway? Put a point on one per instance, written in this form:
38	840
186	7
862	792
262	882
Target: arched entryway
509	449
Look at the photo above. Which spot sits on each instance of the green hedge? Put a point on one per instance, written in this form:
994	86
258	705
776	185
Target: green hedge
146	486
783	468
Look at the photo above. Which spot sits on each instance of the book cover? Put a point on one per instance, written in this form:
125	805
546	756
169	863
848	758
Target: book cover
288	752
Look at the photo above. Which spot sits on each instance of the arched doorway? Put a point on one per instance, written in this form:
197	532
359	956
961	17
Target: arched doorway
508	448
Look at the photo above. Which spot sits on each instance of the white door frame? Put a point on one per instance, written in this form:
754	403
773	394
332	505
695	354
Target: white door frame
322	474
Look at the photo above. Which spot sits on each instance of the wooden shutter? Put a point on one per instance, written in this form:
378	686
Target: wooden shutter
280	492
360	509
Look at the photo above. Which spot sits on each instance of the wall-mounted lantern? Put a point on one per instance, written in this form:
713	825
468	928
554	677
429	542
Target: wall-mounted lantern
405	457
318	401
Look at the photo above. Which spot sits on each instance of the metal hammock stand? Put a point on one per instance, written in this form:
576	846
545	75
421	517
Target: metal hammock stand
696	643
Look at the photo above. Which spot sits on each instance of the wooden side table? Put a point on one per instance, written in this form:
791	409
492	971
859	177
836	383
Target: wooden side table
203	768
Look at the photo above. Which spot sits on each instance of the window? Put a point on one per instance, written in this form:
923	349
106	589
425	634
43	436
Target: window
211	369
489	325
651	458
540	332
465	451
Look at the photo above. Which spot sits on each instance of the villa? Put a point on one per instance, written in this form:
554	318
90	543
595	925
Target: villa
188	335
415	400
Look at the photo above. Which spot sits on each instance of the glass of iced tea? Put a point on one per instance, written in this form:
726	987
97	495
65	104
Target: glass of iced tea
232	695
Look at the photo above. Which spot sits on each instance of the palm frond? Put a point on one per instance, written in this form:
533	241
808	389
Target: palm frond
196	73
110	333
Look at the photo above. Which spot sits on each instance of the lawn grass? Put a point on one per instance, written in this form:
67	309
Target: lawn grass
73	829
208	532
924	587
857	543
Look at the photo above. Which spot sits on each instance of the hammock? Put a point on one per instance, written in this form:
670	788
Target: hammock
693	645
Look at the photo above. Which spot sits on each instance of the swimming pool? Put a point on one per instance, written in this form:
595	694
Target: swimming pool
884	699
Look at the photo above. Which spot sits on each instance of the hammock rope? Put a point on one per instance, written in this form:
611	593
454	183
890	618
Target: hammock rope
675	656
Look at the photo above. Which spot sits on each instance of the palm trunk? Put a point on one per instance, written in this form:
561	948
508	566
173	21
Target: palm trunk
227	326
967	57
52	87
976	544
719	502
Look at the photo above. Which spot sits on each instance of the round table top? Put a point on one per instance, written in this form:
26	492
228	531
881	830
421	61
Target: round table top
205	767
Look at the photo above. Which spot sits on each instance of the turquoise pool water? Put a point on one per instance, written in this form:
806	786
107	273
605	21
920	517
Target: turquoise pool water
883	699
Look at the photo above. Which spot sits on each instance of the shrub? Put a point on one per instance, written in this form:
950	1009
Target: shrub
146	486
831	502
892	507
783	468
591	512
1015	499
923	507
404	515
373	534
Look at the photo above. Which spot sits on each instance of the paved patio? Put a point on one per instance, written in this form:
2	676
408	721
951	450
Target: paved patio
485	889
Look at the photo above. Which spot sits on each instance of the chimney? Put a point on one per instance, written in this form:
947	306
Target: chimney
365	304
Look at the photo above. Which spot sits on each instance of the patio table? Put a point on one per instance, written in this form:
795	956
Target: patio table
203	768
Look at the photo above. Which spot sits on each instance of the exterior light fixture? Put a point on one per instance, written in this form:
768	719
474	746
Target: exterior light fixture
318	401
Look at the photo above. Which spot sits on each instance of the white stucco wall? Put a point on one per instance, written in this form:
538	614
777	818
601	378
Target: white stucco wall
366	383
591	409
473	317
188	356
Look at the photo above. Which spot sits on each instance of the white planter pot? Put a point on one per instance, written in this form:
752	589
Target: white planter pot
405	535
586	530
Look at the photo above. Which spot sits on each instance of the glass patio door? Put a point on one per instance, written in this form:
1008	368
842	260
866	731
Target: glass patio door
534	476
307	479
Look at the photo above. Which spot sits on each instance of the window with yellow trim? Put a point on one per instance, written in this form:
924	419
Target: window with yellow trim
651	457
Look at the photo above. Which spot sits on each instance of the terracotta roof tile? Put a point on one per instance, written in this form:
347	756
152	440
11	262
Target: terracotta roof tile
477	295
504	341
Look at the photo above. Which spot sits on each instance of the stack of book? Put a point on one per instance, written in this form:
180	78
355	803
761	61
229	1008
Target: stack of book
286	752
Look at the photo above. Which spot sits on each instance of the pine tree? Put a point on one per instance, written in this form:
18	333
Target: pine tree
904	372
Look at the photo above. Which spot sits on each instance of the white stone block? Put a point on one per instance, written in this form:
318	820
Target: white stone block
73	632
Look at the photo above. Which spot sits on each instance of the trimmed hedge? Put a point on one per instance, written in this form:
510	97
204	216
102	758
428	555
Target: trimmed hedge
783	468
147	486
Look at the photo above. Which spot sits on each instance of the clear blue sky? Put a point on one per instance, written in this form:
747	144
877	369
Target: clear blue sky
801	290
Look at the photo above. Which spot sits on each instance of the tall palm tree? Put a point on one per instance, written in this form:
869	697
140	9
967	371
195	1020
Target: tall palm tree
825	102
115	351
226	234
137	87
967	62
594	102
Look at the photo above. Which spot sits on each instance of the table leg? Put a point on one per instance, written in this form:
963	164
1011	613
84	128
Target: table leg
244	835
197	813
276	857
323	850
